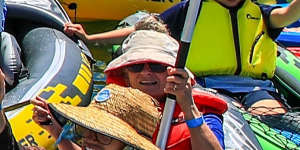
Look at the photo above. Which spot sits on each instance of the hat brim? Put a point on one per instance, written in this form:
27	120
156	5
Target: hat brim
103	122
141	55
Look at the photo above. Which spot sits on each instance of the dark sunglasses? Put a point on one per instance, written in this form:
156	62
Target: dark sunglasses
154	67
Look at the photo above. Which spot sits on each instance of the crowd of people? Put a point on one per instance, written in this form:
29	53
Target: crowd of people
232	51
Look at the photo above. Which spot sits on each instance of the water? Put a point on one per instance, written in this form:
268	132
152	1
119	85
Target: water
102	54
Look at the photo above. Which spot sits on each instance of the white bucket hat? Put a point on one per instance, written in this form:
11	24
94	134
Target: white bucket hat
141	47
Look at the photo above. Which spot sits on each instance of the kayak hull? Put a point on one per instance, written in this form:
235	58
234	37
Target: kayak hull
287	76
59	67
87	10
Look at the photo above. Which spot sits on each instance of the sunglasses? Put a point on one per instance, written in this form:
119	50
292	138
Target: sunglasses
81	131
154	67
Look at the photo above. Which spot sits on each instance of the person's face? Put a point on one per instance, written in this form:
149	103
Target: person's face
149	78
229	3
96	141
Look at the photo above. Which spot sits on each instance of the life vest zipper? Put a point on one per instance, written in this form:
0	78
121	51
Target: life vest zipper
253	45
235	30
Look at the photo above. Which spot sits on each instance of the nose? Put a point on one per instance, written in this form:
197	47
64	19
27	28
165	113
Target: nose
146	69
90	135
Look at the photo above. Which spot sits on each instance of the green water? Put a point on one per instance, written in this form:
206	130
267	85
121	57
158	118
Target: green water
102	54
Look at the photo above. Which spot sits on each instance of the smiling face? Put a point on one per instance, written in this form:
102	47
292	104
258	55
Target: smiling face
149	82
229	3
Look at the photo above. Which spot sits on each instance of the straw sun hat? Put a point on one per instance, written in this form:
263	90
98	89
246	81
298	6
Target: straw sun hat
121	113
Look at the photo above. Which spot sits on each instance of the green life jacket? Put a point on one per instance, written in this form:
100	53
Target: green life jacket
231	42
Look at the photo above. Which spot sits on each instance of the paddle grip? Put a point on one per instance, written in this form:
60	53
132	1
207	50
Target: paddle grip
182	54
165	125
46	123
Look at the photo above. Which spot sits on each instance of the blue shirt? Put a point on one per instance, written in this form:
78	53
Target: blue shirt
215	123
175	18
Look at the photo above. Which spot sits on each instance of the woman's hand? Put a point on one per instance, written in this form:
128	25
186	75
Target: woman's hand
77	29
179	84
43	117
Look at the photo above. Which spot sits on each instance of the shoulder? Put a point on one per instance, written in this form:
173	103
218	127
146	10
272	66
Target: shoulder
209	102
175	9
266	9
174	17
177	12
266	13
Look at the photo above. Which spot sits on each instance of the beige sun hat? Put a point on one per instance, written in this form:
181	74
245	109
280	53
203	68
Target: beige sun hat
142	46
146	46
122	113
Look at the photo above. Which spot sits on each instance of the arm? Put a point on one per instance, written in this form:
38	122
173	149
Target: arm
295	29
2	93
282	17
110	37
42	114
7	140
2	121
202	138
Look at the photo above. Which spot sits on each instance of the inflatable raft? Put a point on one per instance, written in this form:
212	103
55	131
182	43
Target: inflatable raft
295	51
85	10
270	138
289	39
57	68
287	76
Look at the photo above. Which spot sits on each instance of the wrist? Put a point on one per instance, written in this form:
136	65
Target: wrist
86	39
192	112
54	131
196	122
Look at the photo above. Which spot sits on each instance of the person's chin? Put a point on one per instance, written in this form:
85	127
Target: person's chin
89	148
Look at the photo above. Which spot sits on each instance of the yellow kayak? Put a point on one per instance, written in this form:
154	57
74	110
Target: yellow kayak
89	10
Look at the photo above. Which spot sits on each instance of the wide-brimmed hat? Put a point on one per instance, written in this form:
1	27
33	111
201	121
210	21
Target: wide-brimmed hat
141	47
122	113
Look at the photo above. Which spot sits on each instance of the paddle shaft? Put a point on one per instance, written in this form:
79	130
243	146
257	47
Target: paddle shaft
16	106
186	38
